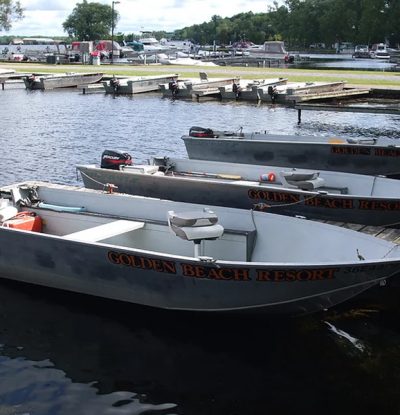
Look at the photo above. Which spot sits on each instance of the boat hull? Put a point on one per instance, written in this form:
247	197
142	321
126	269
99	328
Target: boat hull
376	211
330	154
174	283
123	247
65	81
138	86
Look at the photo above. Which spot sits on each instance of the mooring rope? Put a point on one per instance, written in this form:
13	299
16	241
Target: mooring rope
91	178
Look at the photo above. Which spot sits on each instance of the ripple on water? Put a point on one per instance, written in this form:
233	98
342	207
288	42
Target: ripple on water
45	134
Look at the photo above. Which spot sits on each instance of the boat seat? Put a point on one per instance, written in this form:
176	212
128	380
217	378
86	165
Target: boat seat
195	226
302	180
105	231
141	169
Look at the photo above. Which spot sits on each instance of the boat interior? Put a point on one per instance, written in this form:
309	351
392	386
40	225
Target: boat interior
190	236
268	176
132	222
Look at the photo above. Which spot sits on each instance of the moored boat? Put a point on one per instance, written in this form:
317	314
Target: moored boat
137	84
323	195
181	256
372	156
191	88
248	90
295	91
67	80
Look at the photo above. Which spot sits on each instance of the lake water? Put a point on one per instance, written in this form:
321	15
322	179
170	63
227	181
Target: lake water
62	353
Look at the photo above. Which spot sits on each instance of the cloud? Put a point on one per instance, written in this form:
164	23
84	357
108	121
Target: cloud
45	17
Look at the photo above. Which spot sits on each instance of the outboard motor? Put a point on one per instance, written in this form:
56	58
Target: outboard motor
272	92
114	83
201	132
113	159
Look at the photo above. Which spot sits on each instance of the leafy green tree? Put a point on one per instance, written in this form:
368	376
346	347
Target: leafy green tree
9	11
90	21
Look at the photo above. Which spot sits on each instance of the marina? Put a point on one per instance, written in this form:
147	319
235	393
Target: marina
205	354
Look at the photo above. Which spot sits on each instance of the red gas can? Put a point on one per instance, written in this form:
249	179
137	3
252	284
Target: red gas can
27	221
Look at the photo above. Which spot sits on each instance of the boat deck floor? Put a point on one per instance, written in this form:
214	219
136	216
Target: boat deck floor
388	234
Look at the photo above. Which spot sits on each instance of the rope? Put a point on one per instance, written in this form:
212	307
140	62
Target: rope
104	185
265	205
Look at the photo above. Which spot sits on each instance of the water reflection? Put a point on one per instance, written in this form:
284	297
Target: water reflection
65	353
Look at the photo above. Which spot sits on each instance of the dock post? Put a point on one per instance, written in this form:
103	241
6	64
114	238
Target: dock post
299	116
2	86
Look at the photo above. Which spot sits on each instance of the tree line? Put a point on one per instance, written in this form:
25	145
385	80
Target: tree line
299	23
304	22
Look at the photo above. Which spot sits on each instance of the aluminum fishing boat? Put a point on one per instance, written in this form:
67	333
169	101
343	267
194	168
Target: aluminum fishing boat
66	80
373	156
316	194
180	256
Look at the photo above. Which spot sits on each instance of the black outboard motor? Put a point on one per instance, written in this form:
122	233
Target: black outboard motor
201	132
113	159
272	92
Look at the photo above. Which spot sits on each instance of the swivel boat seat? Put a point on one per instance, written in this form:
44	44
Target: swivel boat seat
195	226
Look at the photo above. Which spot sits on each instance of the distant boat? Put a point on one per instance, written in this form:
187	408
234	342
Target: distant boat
295	91
249	90
379	51
185	61
315	194
182	256
137	84
370	156
361	51
66	80
192	88
270	50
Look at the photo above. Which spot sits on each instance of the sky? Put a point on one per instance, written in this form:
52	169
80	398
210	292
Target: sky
45	17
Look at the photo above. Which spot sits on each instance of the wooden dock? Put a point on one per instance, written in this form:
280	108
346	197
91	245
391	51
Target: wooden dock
345	93
382	232
393	109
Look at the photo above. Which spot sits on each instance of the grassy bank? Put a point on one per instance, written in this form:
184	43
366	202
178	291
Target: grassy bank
366	78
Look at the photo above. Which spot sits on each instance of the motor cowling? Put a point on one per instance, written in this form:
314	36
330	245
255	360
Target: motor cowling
201	132
113	159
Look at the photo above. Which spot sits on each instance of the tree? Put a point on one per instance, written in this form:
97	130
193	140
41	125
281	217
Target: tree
9	11
90	21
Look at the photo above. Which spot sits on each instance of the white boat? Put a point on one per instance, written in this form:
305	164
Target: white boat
249	90
379	51
361	51
315	194
184	61
137	84
181	256
271	49
66	80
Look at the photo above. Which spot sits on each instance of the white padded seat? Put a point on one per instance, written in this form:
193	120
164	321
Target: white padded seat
195	225
302	180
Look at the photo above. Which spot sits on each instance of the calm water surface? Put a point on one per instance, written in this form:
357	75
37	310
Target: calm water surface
63	353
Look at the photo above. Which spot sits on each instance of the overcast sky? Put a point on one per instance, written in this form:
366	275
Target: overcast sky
45	17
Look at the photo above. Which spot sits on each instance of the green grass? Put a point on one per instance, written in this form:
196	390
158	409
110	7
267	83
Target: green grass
367	78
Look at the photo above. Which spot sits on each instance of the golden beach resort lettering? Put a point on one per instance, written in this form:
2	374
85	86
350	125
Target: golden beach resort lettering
321	201
220	273
365	151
